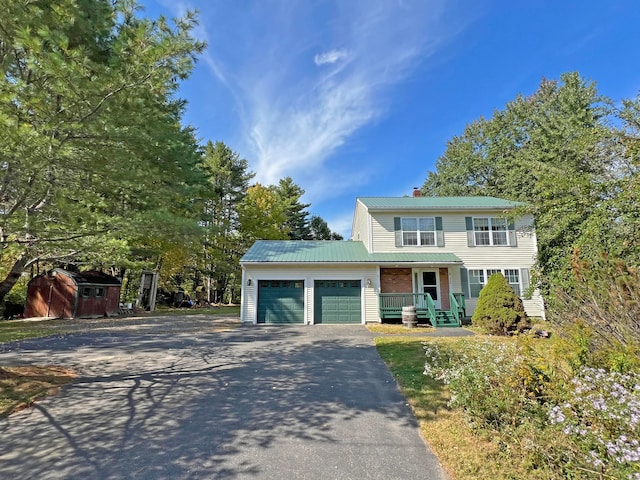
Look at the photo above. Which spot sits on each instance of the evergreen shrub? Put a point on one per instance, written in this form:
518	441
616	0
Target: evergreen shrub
499	311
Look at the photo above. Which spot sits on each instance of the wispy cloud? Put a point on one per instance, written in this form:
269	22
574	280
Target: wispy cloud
329	57
300	118
307	76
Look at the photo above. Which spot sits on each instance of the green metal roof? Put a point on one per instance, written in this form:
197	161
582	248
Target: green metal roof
326	251
437	203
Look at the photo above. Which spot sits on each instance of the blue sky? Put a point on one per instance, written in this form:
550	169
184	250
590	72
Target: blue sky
359	97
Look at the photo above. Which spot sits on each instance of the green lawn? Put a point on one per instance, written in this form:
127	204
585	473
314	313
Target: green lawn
399	329
19	329
218	310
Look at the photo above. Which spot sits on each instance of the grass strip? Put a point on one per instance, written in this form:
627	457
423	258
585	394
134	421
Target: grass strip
11	331
217	310
398	329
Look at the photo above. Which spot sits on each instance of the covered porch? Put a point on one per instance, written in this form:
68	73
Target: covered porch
430	288
390	306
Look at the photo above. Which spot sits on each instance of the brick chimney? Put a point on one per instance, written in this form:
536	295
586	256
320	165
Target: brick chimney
417	192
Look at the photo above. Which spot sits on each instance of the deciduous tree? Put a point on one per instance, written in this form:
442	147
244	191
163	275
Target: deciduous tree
554	150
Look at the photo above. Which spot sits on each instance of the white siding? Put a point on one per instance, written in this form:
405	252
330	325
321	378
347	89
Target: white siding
377	233
455	241
455	235
383	237
360	228
309	273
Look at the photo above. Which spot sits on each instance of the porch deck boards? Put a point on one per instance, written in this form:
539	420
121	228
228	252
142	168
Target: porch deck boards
396	312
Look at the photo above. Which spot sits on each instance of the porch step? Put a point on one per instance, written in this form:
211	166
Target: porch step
445	318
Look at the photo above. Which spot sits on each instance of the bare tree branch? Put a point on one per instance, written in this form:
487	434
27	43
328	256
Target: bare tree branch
33	241
95	109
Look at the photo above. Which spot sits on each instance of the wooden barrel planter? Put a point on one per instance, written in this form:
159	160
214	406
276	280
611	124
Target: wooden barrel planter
409	316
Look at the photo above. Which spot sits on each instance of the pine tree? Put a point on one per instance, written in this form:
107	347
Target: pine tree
499	310
92	153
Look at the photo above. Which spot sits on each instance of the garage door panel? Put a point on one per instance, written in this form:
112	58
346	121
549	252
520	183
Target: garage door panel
280	301
337	301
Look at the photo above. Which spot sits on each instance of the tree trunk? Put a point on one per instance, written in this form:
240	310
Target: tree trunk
14	274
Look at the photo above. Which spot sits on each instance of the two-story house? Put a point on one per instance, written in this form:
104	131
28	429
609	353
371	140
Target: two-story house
432	252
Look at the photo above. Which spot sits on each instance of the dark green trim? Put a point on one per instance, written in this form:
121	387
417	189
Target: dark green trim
397	226
469	223
464	282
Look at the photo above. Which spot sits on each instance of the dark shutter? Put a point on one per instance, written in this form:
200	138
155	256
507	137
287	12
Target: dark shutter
464	282
470	240
398	229
439	232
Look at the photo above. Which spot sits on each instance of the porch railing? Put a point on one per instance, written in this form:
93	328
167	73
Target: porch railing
390	304
455	308
431	308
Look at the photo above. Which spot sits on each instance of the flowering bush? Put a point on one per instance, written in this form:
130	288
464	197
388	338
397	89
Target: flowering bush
505	388
494	383
601	415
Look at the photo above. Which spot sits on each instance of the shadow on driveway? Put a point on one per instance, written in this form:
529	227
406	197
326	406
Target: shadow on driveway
254	402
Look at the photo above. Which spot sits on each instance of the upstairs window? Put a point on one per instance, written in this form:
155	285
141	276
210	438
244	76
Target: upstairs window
418	231
490	231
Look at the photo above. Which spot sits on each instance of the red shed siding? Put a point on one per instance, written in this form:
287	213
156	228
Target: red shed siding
50	297
59	296
92	306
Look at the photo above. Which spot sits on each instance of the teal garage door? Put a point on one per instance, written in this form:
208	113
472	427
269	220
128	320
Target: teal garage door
280	301
337	301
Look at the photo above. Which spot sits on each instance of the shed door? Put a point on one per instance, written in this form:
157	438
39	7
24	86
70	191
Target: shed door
337	301
280	301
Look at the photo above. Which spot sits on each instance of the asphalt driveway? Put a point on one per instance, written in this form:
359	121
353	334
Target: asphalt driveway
181	400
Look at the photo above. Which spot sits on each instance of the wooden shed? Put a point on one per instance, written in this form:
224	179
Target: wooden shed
63	294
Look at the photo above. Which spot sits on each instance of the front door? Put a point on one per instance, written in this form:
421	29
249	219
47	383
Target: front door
428	283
